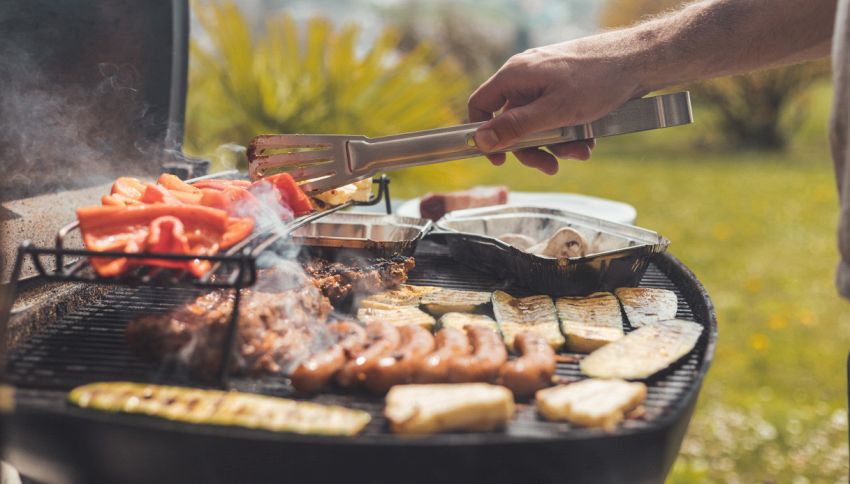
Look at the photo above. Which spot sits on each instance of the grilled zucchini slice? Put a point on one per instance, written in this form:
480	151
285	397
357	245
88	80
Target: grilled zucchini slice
445	301
643	352
215	407
591	403
590	322
404	295
644	305
425	409
533	313
459	320
399	316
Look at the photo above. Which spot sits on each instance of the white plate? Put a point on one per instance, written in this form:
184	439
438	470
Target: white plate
583	204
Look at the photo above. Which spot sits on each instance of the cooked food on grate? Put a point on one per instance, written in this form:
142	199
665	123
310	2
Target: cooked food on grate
275	330
591	403
484	362
534	367
643	352
460	320
425	409
564	243
382	339
400	365
404	295
450	343
319	368
399	316
590	322
215	407
520	241
359	191
434	205
533	313
645	305
338	280
444	301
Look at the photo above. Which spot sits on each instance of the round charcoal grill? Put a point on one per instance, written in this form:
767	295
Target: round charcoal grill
47	437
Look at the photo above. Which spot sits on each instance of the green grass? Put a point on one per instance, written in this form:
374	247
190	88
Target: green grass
759	232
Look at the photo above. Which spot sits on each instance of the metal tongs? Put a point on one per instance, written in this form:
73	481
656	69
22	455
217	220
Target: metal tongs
324	162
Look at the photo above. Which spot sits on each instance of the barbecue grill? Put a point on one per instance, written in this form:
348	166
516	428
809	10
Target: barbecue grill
66	329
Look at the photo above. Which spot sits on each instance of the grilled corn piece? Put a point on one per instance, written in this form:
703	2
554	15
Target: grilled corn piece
645	305
590	322
215	407
533	313
643	352
591	403
459	320
404	295
399	316
444	301
425	409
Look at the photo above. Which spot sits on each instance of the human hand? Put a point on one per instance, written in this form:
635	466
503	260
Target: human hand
548	87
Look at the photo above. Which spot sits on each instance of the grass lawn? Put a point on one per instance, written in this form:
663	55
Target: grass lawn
759	231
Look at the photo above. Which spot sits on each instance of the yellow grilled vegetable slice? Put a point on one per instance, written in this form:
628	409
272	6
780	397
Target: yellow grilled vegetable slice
357	191
399	316
591	403
533	313
643	352
215	407
459	320
644	305
425	409
445	301
404	295
590	322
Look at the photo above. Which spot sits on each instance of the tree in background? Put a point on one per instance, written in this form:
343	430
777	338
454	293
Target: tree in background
286	79
757	110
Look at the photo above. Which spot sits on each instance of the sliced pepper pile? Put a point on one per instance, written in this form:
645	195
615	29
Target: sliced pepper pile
174	217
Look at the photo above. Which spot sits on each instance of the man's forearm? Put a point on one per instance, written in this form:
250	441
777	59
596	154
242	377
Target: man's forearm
714	38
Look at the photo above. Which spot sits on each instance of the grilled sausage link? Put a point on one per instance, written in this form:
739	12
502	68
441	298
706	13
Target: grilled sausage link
534	368
450	342
314	372
400	365
488	356
382	338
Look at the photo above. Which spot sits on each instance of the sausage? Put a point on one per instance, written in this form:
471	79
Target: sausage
314	372
450	342
400	365
488	356
382	338
533	369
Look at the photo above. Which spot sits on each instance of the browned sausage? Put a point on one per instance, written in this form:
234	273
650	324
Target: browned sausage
488	356
314	372
382	338
400	365
534	368
450	342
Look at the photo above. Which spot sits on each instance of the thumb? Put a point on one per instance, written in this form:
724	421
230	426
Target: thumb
511	125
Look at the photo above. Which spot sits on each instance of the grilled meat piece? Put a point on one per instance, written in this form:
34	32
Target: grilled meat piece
275	329
338	280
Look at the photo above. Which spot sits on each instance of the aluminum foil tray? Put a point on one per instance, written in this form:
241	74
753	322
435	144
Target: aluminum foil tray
618	254
366	234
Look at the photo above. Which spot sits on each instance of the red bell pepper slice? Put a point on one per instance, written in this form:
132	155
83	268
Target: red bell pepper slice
237	229
128	187
215	199
290	193
221	184
181	190
158	194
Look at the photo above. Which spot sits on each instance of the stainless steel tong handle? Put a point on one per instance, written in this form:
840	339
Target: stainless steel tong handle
368	156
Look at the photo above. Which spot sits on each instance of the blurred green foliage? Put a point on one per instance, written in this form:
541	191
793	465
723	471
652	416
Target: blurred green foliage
286	79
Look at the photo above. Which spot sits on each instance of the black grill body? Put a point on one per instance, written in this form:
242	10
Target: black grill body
47	436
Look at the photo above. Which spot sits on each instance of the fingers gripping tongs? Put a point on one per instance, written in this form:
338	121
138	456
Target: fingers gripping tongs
324	162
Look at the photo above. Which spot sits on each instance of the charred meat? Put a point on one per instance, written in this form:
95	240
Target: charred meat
339	280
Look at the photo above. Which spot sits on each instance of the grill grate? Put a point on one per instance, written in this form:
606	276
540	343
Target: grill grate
88	345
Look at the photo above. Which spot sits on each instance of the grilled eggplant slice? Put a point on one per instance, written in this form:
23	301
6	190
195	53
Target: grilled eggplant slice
591	403
460	320
590	322
425	409
533	313
445	301
643	352
215	407
644	305
404	295
399	316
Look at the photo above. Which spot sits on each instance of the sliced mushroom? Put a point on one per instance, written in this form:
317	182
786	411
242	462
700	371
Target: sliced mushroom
521	242
566	242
